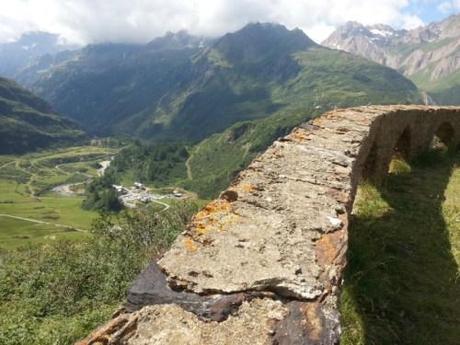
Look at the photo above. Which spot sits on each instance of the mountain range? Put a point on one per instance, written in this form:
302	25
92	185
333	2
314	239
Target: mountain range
428	55
187	87
28	123
227	97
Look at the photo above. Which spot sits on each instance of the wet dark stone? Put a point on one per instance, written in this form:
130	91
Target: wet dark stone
151	287
306	324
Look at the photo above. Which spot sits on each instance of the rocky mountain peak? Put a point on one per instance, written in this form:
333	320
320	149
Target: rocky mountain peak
449	27
378	34
429	54
257	41
177	40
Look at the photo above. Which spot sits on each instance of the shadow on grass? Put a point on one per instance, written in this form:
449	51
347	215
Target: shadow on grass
402	283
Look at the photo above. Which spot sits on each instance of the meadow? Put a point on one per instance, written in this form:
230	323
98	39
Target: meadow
30	211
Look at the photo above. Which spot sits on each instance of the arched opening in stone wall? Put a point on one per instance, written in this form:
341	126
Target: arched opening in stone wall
370	164
402	147
401	152
442	138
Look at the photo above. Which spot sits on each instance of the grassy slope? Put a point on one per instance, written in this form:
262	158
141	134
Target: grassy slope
318	76
328	78
214	162
402	282
341	79
445	90
28	123
25	182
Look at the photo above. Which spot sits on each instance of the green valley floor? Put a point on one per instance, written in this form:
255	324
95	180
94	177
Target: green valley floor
30	211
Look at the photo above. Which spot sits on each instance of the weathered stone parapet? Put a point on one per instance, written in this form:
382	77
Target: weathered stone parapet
263	263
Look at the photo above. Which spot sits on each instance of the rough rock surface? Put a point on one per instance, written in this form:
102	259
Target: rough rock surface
263	263
432	50
169	324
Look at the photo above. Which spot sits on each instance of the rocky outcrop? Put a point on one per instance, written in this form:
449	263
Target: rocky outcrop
429	55
263	263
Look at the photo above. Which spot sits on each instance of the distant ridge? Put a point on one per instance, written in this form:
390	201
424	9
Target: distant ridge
428	55
17	55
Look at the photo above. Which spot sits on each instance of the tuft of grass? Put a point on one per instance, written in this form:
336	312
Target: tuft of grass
399	166
402	281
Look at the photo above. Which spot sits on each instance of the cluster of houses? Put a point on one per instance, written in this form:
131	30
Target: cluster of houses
139	193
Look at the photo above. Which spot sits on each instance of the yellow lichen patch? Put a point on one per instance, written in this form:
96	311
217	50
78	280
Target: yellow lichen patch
213	217
245	187
190	245
299	135
214	207
324	121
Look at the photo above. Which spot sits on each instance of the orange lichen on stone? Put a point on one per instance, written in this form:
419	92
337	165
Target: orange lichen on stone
213	207
299	135
190	245
330	252
329	247
212	217
323	121
246	187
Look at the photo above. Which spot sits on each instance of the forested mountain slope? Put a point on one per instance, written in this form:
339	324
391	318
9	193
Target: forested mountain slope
29	123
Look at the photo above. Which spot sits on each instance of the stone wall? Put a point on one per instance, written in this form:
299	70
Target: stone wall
263	263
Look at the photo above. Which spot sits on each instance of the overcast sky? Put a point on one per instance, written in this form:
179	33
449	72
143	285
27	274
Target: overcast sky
92	21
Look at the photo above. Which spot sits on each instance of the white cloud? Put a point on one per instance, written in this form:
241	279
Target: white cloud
88	21
449	6
412	22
